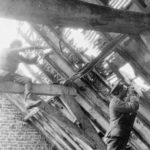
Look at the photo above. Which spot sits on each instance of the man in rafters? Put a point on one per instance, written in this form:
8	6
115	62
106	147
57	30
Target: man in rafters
9	61
122	109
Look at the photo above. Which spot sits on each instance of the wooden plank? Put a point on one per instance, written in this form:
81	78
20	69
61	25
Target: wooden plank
66	124
61	131
83	119
55	59
76	14
39	89
108	49
47	135
50	129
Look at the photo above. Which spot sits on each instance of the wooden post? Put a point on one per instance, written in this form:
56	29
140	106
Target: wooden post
75	14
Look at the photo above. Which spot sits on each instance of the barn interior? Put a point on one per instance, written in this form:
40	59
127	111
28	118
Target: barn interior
83	48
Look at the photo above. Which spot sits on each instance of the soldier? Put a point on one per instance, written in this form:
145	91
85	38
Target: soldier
9	61
122	109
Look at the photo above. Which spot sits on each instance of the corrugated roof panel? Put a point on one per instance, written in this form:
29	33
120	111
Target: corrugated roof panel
113	2
94	37
90	35
127	3
118	4
123	3
87	33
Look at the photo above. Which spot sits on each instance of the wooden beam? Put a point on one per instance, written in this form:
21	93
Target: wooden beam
66	124
83	119
39	89
108	49
142	54
75	14
57	60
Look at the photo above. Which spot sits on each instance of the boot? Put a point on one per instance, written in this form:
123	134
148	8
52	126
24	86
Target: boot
31	113
30	103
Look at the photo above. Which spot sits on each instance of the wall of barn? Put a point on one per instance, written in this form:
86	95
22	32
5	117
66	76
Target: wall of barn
15	134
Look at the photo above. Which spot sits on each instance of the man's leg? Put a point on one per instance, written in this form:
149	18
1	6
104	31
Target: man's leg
27	93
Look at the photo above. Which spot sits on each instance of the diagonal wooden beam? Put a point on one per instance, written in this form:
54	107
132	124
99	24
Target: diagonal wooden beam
83	119
66	124
75	14
108	49
39	89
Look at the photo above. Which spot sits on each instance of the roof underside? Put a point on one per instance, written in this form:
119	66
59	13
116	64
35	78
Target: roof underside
73	57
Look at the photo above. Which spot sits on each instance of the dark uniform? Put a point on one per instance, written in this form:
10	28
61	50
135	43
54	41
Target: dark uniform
122	116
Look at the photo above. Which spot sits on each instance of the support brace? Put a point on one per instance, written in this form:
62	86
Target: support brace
39	89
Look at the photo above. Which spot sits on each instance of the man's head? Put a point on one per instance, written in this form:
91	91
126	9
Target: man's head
16	44
132	91
120	89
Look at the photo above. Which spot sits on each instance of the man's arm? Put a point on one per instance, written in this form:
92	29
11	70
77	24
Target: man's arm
128	106
28	60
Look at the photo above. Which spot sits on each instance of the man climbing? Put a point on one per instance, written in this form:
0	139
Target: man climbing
122	109
9	61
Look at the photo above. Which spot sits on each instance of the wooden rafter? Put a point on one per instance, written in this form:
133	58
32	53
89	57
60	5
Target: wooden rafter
39	89
75	14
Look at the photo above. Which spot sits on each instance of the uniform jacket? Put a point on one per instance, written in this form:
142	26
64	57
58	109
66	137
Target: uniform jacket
122	116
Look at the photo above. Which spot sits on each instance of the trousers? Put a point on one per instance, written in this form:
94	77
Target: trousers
21	80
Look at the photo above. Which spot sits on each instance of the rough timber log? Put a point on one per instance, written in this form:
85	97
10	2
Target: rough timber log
55	59
83	119
40	89
75	14
107	50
